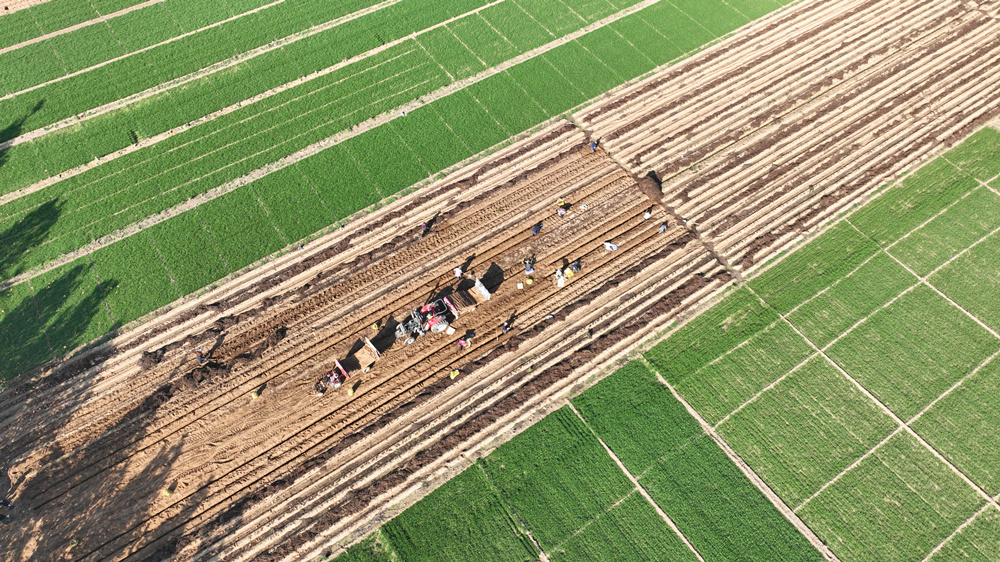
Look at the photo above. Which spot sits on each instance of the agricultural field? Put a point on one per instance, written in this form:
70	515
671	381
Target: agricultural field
177	105
557	481
760	320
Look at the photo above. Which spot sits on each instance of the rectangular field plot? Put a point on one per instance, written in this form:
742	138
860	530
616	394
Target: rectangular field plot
637	417
813	267
21	335
556	477
754	9
462	520
910	352
486	42
140	280
979	155
339	180
978	542
517	26
554	16
720	387
647	39
430	139
959	227
448	51
724	326
582	69
719	510
292	203
897	504
240	228
469	121
506	101
850	299
188	251
617	52
965	427
630	531
800	434
906	205
716	16
973	281
674	24
546	85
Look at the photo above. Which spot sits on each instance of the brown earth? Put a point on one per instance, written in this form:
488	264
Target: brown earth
137	451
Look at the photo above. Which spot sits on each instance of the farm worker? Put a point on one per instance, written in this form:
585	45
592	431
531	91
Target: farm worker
454	373
610	247
423	229
458	272
536	229
593	145
201	356
568	272
663	228
561	211
505	327
6	503
646	215
560	202
529	266
575	266
464	343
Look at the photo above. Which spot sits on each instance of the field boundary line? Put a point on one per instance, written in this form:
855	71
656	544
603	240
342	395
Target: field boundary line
900	422
137	51
82	25
512	513
636	483
966	523
852	272
333	140
761	392
850	467
223	65
923	280
757	481
986	183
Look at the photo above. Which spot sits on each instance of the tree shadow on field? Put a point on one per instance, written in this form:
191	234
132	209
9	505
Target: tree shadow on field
16	128
28	232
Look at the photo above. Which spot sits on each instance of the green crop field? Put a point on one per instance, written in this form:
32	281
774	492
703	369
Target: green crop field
980	541
805	430
897	504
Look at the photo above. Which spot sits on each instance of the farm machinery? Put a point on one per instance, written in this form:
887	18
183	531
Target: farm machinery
362	359
437	315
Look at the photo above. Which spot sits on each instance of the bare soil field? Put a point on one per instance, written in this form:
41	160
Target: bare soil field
136	450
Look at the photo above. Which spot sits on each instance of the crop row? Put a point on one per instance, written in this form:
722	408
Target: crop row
660	35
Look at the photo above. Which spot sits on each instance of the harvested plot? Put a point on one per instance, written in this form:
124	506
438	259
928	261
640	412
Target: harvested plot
719	511
910	352
462	520
973	276
965	427
850	299
979	542
805	430
897	504
962	225
556	477
637	417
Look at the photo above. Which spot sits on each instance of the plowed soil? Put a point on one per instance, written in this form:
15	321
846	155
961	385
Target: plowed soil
137	450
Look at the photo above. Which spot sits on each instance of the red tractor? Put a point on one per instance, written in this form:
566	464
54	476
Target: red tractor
434	316
362	359
332	380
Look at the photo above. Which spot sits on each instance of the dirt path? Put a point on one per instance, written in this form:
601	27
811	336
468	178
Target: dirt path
177	458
